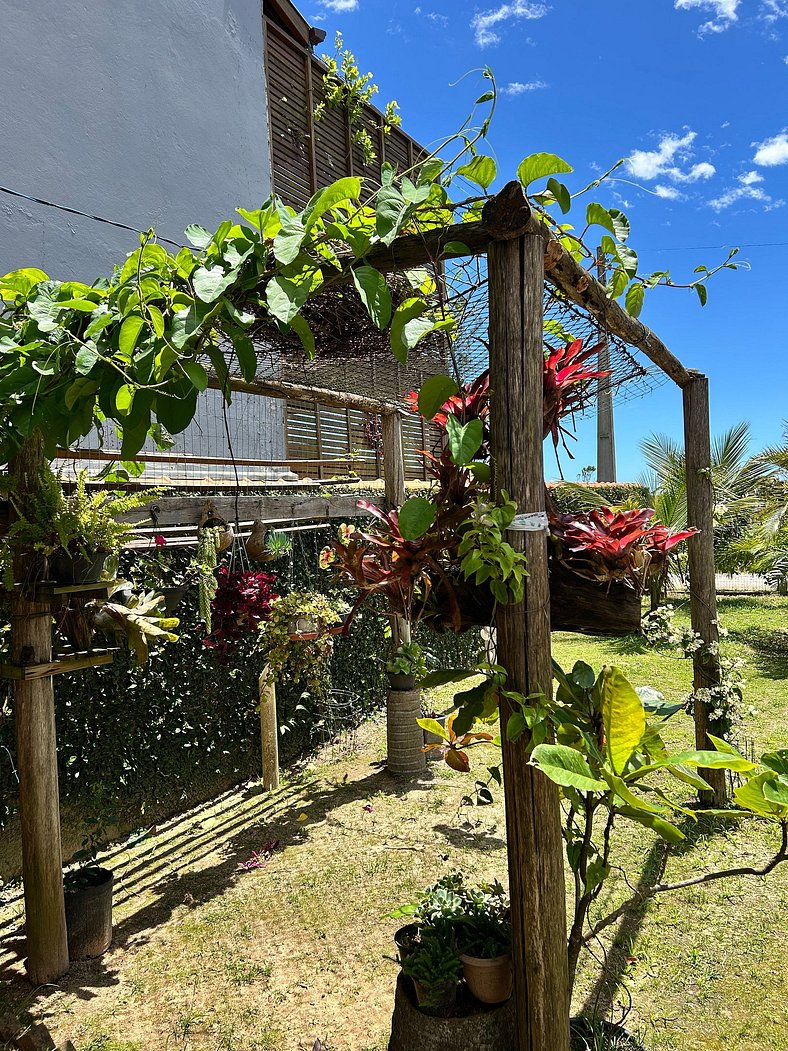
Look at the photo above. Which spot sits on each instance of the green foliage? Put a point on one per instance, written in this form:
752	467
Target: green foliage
140	621
346	87
299	655
408	659
434	964
487	557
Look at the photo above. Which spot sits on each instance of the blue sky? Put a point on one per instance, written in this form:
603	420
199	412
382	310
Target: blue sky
693	92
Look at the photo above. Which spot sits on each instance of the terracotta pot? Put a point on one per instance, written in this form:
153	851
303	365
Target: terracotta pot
88	897
303	628
490	981
437	1000
66	568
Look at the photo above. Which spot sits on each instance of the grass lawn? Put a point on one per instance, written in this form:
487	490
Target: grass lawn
207	956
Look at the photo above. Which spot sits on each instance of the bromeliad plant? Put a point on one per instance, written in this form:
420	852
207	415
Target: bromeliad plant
611	543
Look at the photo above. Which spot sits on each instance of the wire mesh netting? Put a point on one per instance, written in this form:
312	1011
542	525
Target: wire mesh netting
263	440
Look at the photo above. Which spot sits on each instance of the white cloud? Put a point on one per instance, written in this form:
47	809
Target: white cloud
668	193
441	20
340	6
723	12
772	10
750	178
772	151
738	193
664	161
517	88
484	24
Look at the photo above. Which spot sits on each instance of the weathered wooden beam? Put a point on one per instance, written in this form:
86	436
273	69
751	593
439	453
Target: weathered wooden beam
269	730
186	510
533	812
577	284
393	460
700	552
269	388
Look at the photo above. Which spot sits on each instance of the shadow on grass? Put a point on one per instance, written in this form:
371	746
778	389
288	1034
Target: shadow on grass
769	650
165	879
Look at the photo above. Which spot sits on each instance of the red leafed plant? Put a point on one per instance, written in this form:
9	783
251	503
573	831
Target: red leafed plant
566	370
242	602
609	543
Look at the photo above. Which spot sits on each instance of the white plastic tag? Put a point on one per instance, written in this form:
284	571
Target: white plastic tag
535	522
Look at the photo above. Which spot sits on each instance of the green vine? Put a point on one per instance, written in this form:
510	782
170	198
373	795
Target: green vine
300	656
206	559
345	87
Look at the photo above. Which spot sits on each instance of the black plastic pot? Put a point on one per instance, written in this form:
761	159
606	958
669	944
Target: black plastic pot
406	939
66	568
88	895
173	597
586	1033
402	682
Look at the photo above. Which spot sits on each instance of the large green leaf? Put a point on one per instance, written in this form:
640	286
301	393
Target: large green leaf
623	716
752	797
464	439
401	338
636	293
481	171
539	165
415	517
198	235
348	189
375	295
210	282
597	215
287	243
434	393
300	326
129	334
391	213
658	824
196	373
566	766
710	760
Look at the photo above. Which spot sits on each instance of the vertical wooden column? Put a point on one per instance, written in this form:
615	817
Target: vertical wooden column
36	757
269	730
700	550
393	460
533	813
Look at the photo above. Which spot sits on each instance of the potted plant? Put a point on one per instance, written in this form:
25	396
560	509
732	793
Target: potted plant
88	891
434	967
301	656
168	575
76	531
597	1034
406	666
484	939
243	601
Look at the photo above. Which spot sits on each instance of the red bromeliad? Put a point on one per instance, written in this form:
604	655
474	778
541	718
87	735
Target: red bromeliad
565	373
613	544
242	602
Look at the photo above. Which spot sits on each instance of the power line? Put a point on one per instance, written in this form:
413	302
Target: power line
178	244
85	215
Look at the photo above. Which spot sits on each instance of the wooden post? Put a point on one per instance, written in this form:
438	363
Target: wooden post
533	813
700	550
269	730
36	757
393	460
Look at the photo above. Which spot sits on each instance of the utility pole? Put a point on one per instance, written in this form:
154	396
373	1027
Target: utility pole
605	433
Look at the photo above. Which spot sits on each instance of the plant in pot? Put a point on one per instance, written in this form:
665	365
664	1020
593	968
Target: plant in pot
243	601
169	575
301	657
484	940
88	888
435	968
407	666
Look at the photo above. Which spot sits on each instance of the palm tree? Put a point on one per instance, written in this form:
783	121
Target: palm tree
763	546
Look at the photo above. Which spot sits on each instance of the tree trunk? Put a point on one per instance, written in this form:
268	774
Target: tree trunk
700	554
533	814
36	746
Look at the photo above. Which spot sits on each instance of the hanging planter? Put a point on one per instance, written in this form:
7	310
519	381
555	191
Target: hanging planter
302	628
580	604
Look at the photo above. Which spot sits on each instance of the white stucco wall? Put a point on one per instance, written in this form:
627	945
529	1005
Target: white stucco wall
150	112
147	112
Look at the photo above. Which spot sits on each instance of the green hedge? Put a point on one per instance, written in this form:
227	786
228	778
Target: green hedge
581	496
159	737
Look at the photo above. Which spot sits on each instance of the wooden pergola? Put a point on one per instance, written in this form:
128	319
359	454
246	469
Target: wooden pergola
522	254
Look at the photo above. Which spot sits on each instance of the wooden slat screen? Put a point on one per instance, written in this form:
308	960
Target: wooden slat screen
306	154
341	438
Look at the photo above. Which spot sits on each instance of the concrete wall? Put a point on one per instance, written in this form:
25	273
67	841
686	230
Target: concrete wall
149	112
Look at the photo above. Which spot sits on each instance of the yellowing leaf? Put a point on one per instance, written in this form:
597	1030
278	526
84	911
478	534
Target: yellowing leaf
624	717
